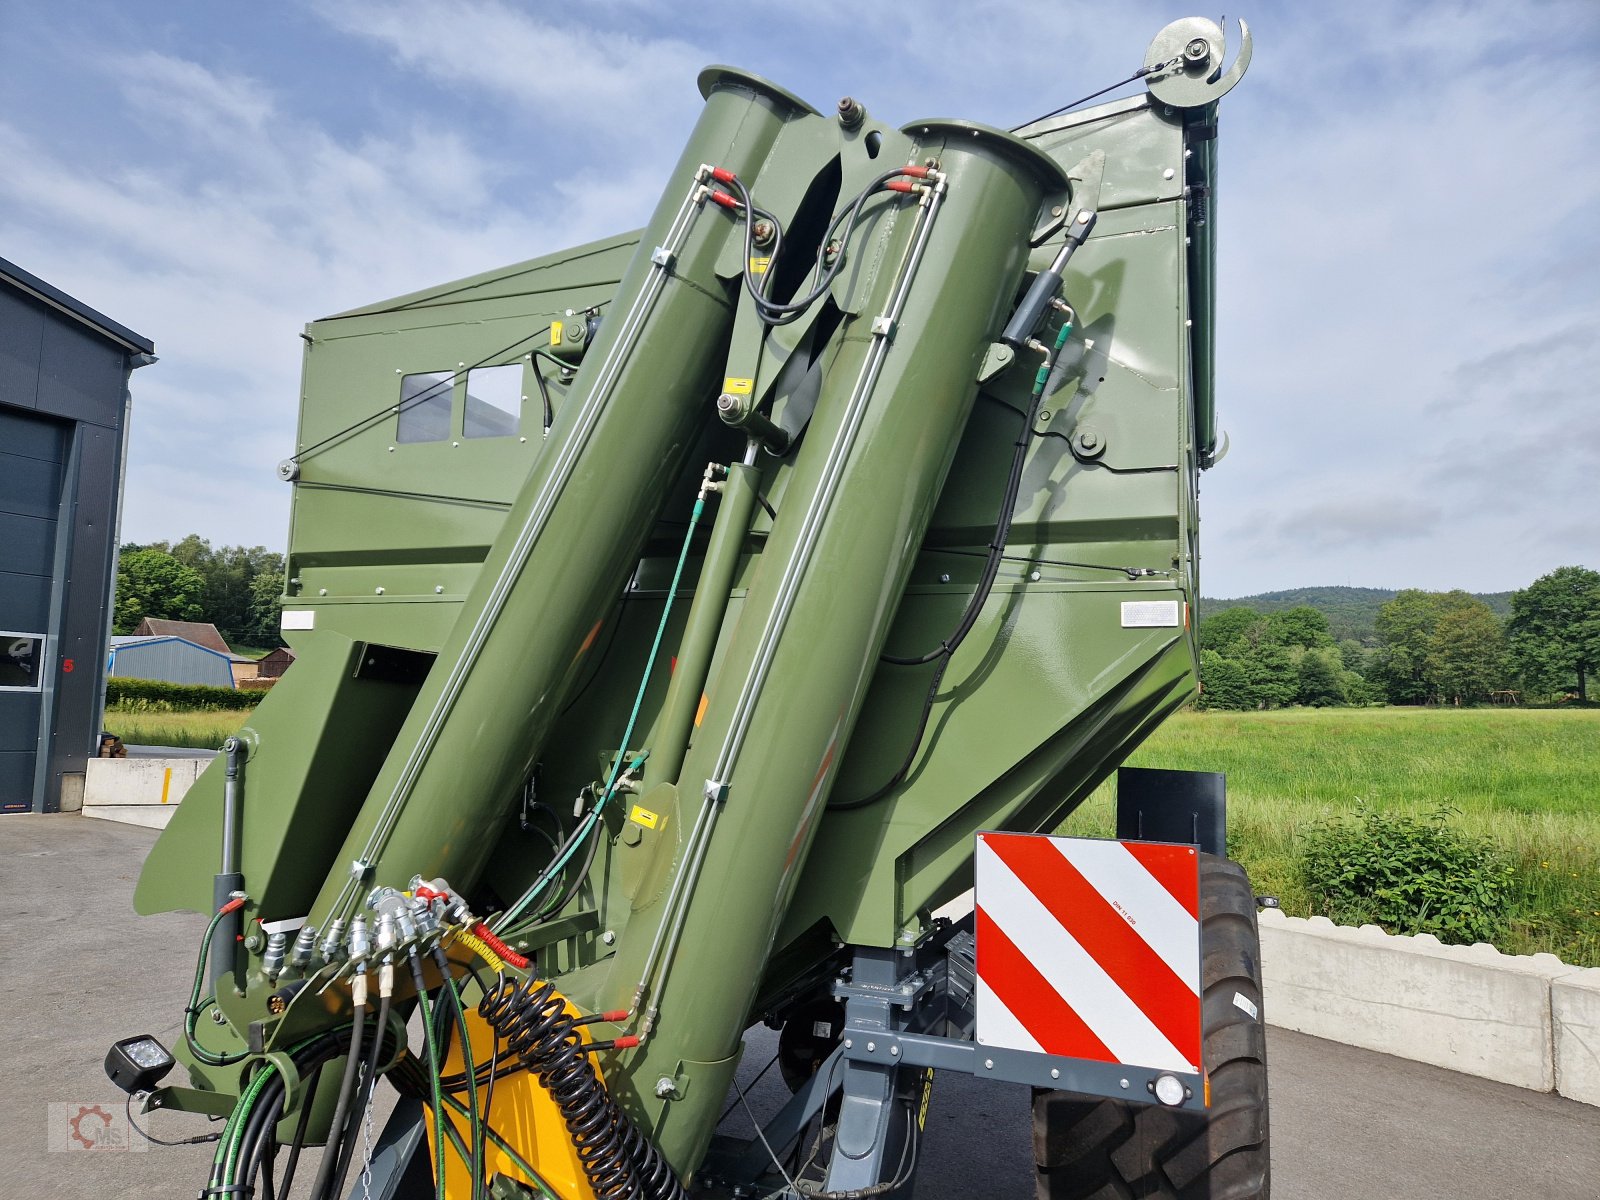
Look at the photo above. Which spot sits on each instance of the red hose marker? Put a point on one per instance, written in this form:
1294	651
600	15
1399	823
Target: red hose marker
723	175
916	172
725	200
504	951
626	1042
233	905
900	185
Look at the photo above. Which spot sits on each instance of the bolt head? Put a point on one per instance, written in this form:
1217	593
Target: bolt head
1197	51
665	1087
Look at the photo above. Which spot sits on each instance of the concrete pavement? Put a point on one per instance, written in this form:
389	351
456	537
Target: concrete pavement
78	970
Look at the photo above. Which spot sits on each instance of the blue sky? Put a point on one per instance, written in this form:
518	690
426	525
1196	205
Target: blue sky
1409	224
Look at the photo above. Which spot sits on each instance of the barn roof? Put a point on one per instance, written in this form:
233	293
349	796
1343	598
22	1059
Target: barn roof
201	633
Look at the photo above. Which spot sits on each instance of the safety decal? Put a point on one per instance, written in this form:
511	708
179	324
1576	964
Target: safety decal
1089	949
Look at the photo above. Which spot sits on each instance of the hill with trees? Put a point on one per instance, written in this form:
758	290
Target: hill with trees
1341	645
1352	612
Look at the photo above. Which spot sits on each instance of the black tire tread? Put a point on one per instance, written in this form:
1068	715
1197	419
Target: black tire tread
1091	1149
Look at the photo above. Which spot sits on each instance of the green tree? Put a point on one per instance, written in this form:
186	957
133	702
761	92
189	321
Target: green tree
1225	683
1221	630
266	602
1404	625
1554	632
1465	660
1437	645
1299	626
229	600
1273	674
1320	682
152	583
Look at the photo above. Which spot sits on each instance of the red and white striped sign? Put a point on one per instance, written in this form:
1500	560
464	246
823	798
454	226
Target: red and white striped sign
1090	949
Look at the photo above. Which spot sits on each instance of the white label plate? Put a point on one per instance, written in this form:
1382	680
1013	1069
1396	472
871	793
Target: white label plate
306	618
1145	614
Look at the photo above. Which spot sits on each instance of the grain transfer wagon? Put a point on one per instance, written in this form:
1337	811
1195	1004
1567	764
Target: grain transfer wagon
682	621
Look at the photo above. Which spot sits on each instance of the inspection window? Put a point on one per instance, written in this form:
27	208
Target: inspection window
21	661
425	406
490	404
494	402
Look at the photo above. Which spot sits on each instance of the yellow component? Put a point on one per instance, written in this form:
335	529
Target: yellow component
481	948
555	333
735	386
700	712
644	816
759	265
524	1115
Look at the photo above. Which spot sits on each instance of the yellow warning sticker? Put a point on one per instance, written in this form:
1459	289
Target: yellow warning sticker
555	332
759	264
735	386
644	816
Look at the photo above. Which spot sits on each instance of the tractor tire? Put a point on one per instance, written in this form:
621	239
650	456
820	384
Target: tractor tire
1092	1149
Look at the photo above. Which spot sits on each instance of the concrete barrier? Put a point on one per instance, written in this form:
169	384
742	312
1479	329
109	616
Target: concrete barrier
1528	1020
138	791
1575	1008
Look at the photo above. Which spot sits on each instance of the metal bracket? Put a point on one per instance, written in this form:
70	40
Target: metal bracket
663	258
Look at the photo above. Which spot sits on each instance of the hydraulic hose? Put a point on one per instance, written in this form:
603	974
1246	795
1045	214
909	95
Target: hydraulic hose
364	1092
352	1065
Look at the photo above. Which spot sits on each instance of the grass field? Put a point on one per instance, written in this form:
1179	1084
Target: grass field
1529	779
196	730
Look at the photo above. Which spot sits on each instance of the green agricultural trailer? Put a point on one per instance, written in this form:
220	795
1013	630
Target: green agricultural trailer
684	623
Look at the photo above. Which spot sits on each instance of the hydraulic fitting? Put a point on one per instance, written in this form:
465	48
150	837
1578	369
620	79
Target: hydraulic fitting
305	948
272	960
333	943
360	944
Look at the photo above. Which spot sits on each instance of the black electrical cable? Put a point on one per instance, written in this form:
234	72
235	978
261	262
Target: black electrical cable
772	312
945	651
544	394
494	1060
997	547
155	1141
319	1186
299	1140
1134	78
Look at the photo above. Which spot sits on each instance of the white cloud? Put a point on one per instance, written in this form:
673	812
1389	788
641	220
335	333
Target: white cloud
1407	213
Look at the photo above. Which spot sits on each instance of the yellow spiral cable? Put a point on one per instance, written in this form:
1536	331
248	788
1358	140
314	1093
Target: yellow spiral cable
481	948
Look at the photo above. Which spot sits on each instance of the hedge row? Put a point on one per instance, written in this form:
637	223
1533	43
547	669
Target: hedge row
157	694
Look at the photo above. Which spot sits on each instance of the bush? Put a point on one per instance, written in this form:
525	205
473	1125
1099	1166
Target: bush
157	695
1408	874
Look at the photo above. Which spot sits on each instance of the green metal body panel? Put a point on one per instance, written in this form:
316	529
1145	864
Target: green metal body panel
532	572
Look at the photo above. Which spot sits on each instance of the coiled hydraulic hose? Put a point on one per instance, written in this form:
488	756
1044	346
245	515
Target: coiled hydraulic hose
620	1162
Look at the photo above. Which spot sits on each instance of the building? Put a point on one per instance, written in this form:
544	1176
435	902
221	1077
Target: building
170	659
201	633
64	403
273	664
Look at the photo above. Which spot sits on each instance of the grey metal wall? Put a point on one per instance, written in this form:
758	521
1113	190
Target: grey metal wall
173	660
63	402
